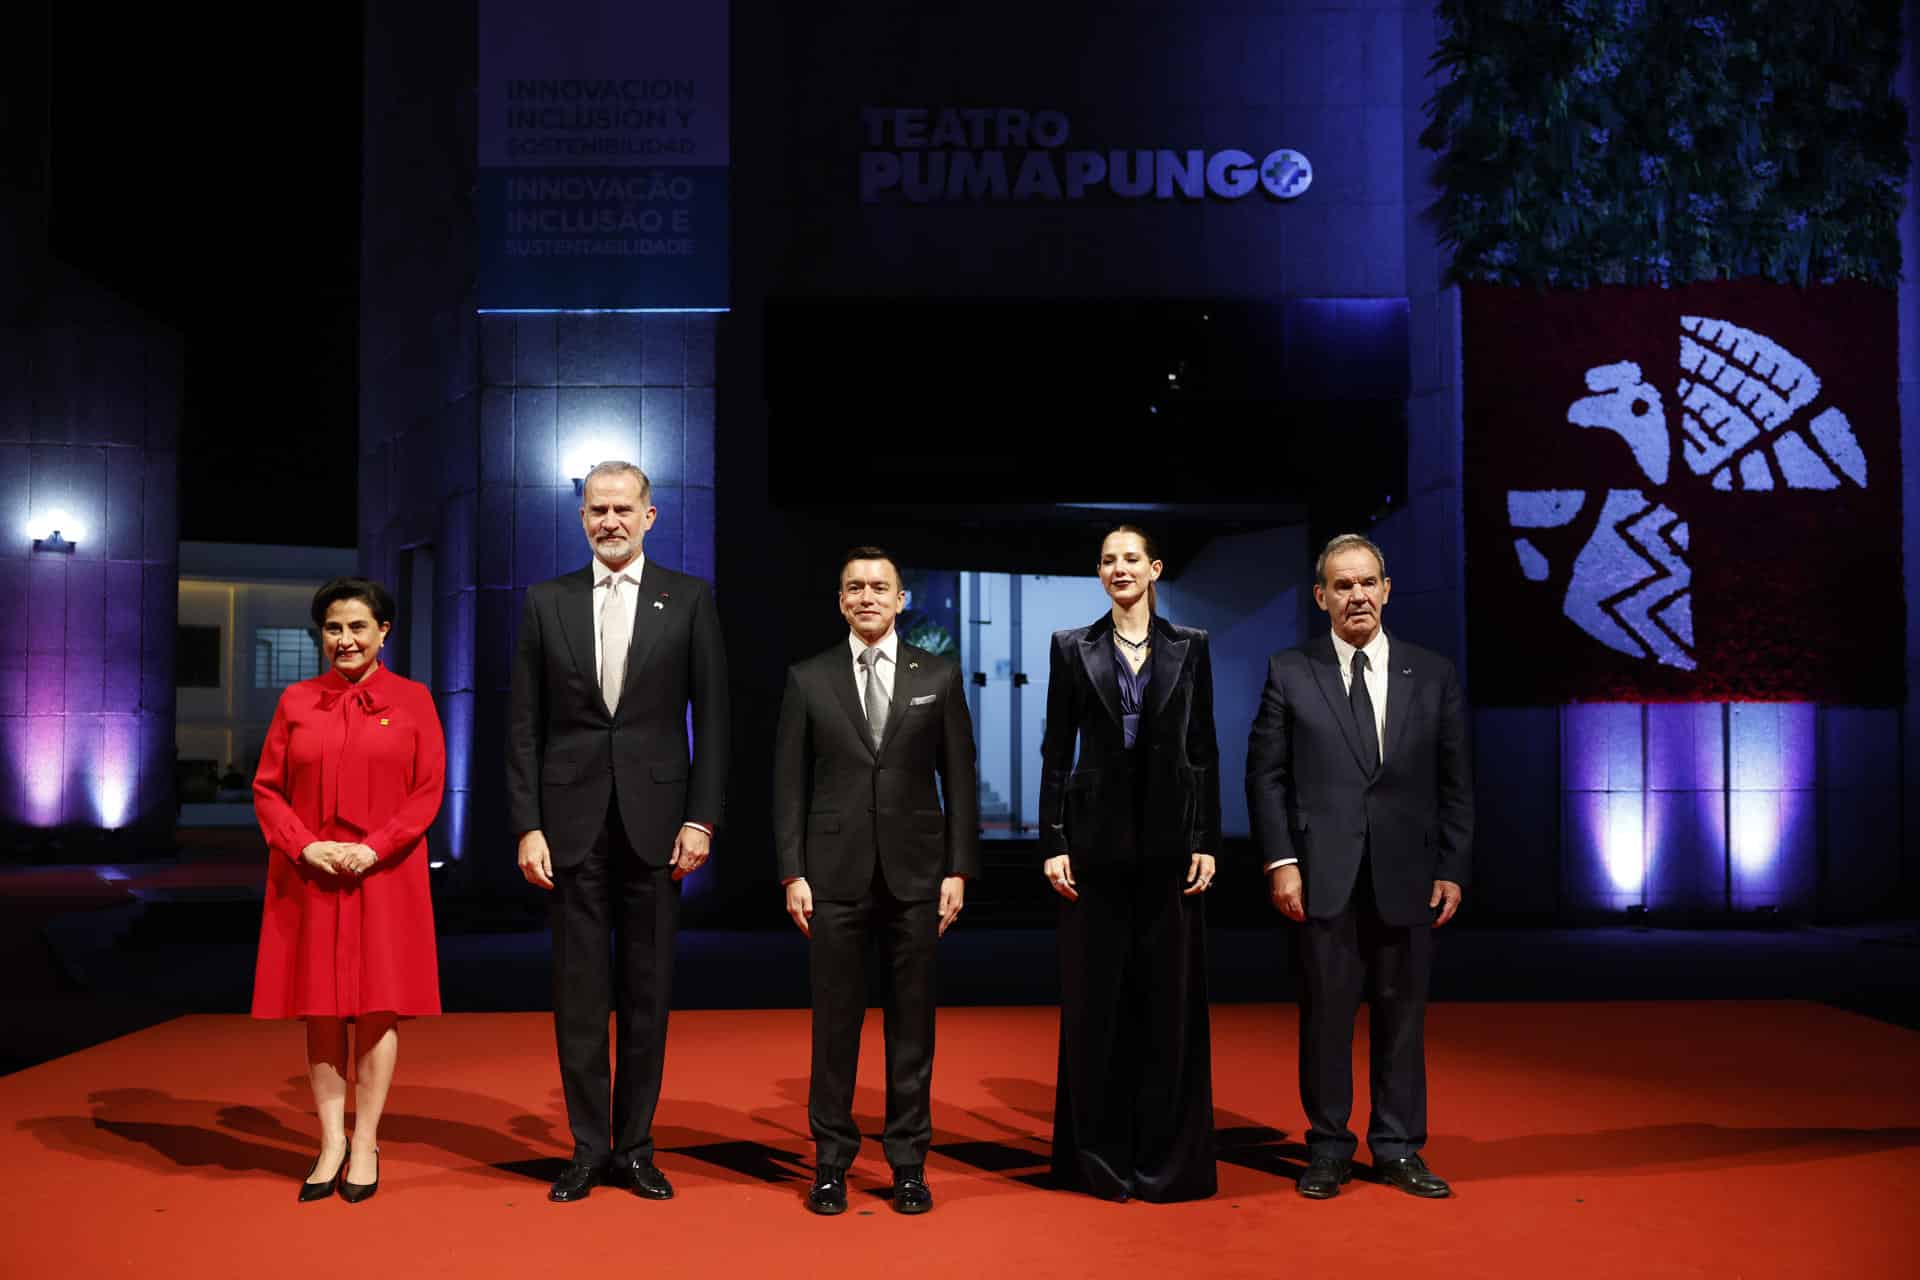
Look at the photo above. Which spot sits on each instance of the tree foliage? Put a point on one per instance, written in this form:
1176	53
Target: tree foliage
1588	142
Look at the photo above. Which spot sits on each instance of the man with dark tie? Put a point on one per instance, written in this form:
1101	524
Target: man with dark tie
613	807
873	734
1362	804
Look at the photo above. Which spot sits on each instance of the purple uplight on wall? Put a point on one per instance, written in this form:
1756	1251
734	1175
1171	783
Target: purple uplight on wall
1756	832
89	551
37	756
1603	769
1689	806
1626	844
110	777
1771	755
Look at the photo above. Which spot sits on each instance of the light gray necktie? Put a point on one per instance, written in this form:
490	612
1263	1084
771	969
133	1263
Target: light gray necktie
876	697
616	634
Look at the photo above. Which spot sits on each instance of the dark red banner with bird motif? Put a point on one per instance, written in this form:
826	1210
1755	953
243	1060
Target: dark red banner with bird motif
1683	494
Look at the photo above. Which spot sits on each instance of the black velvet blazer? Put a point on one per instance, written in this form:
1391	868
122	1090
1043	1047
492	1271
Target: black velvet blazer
1085	799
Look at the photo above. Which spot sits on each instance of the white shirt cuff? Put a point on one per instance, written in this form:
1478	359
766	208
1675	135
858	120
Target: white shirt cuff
1281	862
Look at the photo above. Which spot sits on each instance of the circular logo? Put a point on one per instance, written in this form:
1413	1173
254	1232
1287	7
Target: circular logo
1286	174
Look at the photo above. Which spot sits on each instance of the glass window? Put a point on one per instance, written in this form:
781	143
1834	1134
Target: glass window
1006	623
284	655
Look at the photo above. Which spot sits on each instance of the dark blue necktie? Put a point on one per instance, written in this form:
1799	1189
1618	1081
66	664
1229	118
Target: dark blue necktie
1362	703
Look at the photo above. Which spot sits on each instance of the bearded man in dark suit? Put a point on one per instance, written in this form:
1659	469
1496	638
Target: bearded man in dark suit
613	807
1359	789
873	734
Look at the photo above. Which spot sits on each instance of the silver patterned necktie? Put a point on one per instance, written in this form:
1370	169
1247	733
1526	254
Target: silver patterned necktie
876	697
616	634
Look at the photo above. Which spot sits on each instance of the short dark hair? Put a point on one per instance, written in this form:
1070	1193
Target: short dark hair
866	553
365	590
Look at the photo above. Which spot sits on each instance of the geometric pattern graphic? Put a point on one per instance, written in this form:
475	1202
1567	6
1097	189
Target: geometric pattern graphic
1667	506
1739	393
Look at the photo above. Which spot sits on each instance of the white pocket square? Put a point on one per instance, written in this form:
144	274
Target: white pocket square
923	700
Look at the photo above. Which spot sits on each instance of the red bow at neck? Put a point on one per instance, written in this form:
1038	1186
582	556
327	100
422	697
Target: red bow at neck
346	767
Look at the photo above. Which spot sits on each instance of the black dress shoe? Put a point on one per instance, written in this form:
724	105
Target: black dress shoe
829	1194
1324	1178
574	1183
910	1192
310	1191
641	1177
355	1192
1411	1175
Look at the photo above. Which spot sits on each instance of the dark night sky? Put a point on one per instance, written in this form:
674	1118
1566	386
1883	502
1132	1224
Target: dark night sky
209	170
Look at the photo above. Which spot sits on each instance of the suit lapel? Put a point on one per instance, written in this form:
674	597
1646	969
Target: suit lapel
576	624
648	622
846	689
1400	683
1169	655
1326	672
1096	655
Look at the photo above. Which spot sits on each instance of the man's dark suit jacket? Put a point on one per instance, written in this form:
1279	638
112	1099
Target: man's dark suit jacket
567	756
1082	804
1311	797
838	804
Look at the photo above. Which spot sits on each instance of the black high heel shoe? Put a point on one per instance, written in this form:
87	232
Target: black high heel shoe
355	1192
321	1190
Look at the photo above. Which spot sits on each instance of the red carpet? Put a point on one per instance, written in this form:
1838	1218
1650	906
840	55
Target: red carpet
1715	1139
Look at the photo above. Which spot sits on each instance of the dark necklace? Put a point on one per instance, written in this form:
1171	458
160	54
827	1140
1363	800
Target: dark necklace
1135	645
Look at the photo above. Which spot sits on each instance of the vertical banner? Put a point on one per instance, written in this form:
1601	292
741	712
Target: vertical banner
603	155
1684	494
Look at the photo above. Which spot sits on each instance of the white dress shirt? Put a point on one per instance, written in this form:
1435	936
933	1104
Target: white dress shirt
889	647
625	596
1376	651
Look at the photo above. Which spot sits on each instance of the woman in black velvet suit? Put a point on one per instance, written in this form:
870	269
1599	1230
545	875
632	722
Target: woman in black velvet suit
1129	830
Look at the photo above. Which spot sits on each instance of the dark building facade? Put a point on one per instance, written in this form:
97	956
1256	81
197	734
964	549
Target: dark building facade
1001	274
89	423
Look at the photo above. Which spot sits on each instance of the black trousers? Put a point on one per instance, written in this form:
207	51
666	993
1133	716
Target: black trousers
1133	1105
1339	958
613	926
842	933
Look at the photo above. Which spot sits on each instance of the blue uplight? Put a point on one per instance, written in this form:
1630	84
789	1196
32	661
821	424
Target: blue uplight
1652	782
1626	842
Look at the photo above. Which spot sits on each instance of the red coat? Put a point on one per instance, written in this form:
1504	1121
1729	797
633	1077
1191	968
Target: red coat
361	764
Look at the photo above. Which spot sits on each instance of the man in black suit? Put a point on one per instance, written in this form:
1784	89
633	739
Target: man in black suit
864	851
1358	786
612	809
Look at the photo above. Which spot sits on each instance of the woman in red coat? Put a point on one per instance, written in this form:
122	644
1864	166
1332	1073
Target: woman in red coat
349	781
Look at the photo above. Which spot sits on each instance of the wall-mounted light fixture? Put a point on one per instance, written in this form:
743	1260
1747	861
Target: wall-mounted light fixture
57	532
584	458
